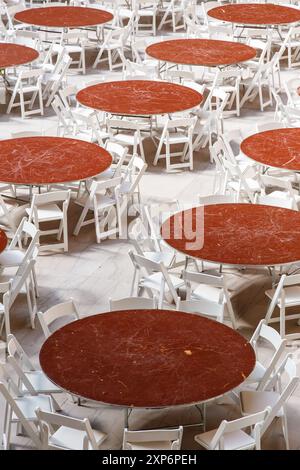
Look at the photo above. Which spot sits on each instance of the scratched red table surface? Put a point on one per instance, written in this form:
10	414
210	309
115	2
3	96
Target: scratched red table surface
3	240
63	17
46	160
255	14
12	55
278	148
202	52
139	97
236	234
147	358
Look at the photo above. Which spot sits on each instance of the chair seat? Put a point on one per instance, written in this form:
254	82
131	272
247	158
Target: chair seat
257	373
40	382
164	257
232	440
48	212
154	281
126	187
207	292
11	258
177	138
254	402
72	48
29	88
105	175
146	12
252	184
103	202
292	295
73	438
284	195
28	405
127	139
82	113
158	445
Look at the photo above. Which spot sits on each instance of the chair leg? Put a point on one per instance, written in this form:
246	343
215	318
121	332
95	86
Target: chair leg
80	220
22	105
60	230
158	152
285	430
282	322
35	284
12	99
65	233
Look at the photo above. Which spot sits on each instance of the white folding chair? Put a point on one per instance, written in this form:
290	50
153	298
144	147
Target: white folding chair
153	439
57	79
20	409
256	401
130	185
113	45
10	214
66	122
30	379
148	246
127	132
19	249
229	82
119	153
22	278
62	310
132	303
285	295
243	182
232	435
266	369
75	43
66	433
28	82
211	288
45	208
156	278
146	11
177	132
104	201
173	15
205	308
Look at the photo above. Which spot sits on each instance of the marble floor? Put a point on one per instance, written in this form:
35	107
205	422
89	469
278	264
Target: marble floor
92	273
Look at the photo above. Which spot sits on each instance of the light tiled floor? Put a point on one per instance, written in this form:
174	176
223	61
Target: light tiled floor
91	273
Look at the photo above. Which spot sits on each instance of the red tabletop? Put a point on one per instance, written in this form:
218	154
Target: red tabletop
46	160
63	17
279	148
255	14
12	55
147	358
203	52
3	240
139	97
236	234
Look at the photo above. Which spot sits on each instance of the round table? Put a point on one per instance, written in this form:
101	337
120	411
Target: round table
266	14
47	160
3	240
139	97
278	148
202	52
63	17
236	234
147	358
12	55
